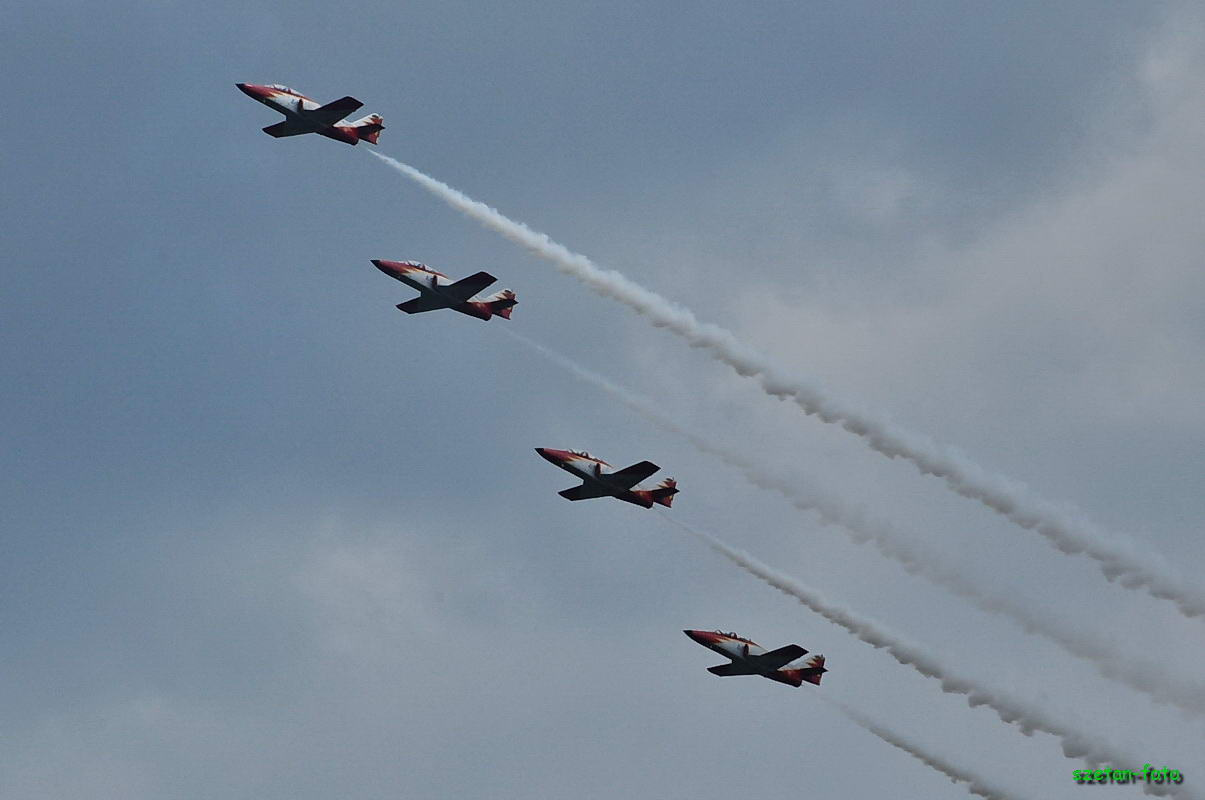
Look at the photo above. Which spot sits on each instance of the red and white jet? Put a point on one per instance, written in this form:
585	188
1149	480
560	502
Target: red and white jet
440	291
618	484
749	658
303	115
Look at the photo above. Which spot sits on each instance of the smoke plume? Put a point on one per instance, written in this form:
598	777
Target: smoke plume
974	784
1140	674
1010	710
1067	530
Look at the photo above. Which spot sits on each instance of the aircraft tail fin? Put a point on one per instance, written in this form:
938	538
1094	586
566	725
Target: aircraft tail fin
501	303
664	492
811	672
369	128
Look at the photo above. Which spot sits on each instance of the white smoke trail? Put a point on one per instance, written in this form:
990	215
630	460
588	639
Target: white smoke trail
1010	710
1068	531
974	784
1142	675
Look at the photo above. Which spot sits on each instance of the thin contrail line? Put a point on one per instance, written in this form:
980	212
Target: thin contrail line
974	784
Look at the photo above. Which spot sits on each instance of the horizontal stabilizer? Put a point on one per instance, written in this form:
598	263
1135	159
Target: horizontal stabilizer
812	675
369	133
502	303
724	670
369	128
334	111
664	492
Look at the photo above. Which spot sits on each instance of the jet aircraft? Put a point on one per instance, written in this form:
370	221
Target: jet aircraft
749	658
618	484
440	291
303	115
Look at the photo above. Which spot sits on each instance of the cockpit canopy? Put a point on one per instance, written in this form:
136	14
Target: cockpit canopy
283	88
598	462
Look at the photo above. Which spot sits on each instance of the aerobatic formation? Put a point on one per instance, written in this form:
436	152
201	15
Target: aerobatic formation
786	664
1120	559
437	291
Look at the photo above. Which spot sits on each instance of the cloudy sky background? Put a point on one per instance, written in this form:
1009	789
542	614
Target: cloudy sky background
266	537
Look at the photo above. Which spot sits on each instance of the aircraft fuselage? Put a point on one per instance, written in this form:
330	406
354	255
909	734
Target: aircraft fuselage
590	470
749	658
439	291
297	109
292	105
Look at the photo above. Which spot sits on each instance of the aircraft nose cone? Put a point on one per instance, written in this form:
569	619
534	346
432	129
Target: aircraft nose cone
251	90
706	638
547	454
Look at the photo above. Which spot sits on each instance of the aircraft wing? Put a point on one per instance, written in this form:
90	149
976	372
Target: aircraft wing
724	670
780	657
287	128
630	476
465	288
583	492
424	302
334	111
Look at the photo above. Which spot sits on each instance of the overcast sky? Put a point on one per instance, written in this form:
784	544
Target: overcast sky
265	537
